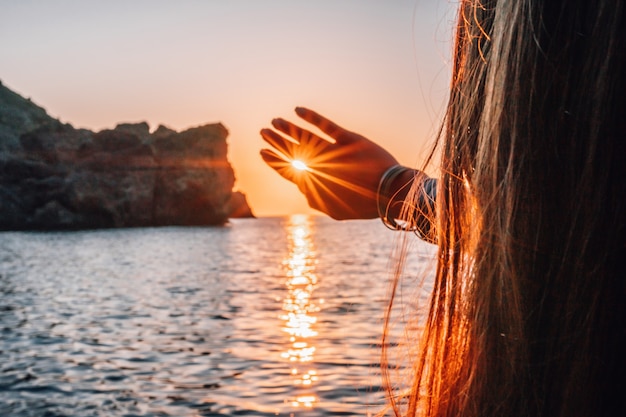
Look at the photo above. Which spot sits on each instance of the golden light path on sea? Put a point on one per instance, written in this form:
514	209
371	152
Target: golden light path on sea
299	311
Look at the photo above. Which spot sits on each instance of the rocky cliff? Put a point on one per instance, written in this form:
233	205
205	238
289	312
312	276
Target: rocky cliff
53	176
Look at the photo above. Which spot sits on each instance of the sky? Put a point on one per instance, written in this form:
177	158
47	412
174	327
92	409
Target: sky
377	67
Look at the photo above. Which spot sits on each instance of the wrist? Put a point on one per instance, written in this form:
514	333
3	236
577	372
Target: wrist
393	187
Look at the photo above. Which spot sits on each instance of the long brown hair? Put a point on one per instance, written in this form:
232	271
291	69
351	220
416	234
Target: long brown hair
528	311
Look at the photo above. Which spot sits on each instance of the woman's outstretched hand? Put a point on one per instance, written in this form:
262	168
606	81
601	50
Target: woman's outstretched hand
341	178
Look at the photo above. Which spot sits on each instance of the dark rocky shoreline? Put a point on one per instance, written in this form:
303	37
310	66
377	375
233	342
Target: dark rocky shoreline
56	177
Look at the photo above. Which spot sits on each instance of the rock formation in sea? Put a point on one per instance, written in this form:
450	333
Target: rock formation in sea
54	176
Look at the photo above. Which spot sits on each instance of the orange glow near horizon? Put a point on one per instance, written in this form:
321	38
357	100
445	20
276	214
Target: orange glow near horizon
385	78
299	310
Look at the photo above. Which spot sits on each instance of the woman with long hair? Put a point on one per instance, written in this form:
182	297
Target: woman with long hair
528	312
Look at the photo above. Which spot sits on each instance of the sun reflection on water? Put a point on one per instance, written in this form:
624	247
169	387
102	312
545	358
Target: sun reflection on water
299	310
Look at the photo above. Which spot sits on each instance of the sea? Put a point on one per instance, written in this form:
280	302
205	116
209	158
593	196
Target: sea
278	316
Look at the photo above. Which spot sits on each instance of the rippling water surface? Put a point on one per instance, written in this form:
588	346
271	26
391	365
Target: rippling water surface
265	317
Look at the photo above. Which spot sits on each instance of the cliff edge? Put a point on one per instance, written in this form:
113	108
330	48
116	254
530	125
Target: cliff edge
53	176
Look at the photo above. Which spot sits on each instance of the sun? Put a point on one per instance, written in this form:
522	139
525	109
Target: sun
299	165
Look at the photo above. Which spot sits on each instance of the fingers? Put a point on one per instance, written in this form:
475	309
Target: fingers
305	146
282	144
302	136
327	126
278	164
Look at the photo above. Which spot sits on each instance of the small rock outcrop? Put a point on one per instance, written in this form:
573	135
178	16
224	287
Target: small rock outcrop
53	176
